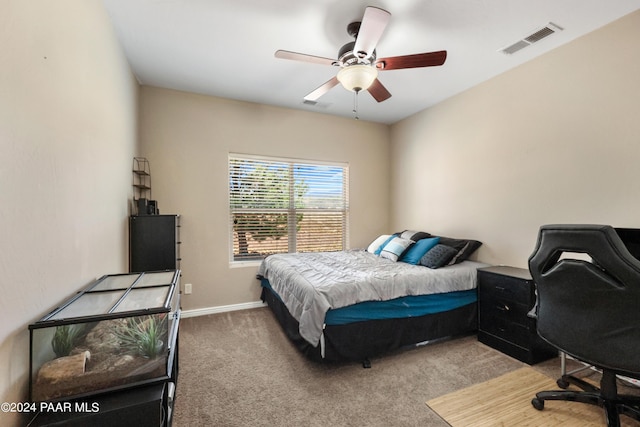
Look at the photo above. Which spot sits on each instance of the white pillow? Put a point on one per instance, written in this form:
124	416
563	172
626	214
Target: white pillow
373	247
395	247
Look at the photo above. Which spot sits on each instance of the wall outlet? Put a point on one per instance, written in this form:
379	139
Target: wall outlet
188	288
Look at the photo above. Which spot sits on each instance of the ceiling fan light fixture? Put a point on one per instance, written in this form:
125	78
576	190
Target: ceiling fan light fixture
357	77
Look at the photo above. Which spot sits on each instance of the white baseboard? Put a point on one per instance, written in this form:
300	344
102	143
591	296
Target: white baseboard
221	309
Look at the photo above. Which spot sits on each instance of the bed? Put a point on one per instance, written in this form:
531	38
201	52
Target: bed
404	289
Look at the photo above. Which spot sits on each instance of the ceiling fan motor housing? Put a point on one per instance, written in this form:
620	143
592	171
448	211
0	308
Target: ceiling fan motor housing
347	57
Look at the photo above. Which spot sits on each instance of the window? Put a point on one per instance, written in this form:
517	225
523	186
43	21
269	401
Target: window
282	205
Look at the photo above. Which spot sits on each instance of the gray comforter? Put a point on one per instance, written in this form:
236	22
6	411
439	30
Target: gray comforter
312	283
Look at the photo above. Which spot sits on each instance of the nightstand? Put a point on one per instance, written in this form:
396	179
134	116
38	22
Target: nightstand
505	296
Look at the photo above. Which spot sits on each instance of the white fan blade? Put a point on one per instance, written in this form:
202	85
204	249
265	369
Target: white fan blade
322	89
285	54
374	22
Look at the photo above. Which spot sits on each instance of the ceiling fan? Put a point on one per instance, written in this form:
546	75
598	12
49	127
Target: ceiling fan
358	61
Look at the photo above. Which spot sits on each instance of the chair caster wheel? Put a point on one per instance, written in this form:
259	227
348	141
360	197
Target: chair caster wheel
537	403
562	383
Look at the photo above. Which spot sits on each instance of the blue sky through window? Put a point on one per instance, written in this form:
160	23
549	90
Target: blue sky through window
322	181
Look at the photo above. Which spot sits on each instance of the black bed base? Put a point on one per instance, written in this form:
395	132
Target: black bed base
360	341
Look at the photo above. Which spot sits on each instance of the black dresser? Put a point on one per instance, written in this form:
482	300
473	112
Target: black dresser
154	242
505	297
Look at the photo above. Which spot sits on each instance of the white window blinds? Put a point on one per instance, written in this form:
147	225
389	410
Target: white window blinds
280	206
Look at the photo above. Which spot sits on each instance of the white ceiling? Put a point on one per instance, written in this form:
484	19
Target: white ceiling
226	48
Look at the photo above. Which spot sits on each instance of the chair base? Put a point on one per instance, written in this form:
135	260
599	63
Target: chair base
606	397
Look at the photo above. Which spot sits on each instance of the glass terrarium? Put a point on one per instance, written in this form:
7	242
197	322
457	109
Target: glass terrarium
118	332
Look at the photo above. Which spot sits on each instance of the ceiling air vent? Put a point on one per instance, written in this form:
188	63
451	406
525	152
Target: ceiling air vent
316	103
534	37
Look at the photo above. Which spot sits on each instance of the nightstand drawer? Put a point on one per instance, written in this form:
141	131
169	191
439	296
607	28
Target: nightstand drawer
508	310
511	329
507	288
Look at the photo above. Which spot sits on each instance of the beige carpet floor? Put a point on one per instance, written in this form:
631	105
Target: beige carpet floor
239	369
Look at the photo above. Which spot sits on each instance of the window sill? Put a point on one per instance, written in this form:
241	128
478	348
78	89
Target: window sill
243	264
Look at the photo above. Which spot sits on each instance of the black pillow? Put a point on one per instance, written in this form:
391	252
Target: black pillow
464	248
438	256
413	235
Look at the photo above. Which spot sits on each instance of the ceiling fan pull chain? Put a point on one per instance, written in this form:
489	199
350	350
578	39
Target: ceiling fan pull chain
355	104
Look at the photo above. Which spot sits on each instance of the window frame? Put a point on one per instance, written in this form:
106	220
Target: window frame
291	210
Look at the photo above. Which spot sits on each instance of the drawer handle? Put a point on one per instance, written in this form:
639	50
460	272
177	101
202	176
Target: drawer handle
500	288
503	307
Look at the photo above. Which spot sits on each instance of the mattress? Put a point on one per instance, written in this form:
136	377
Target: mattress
397	308
311	285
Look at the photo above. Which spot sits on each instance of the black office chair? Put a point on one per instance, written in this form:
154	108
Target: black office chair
589	309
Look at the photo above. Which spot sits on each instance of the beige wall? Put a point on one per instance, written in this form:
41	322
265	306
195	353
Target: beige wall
187	139
67	137
555	140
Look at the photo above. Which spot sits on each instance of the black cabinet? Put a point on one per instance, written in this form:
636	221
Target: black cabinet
150	406
505	297
154	242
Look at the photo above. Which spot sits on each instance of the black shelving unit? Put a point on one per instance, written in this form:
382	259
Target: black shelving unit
141	185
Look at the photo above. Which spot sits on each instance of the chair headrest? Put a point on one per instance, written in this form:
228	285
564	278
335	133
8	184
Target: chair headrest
600	242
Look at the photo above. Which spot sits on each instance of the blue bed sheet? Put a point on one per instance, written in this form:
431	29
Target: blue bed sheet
409	306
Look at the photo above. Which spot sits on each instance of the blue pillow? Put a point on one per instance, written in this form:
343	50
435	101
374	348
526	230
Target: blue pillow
417	251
